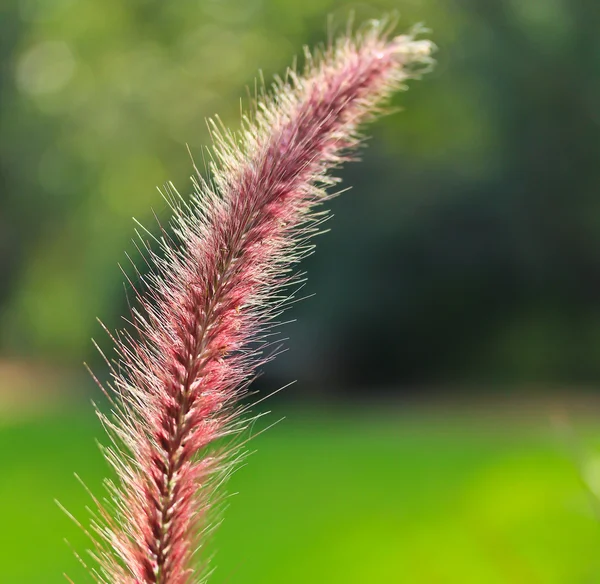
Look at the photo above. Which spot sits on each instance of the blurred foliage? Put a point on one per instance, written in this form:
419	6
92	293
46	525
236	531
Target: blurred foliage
468	249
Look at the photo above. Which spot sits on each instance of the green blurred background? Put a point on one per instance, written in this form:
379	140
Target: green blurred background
445	423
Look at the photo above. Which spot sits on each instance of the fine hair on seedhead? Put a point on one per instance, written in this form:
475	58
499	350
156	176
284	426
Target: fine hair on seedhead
203	317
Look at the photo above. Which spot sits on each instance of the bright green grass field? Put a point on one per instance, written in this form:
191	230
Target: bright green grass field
353	499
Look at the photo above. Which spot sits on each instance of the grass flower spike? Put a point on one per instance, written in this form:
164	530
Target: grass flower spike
204	316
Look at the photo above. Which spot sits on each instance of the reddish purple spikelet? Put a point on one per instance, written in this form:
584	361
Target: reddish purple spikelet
201	328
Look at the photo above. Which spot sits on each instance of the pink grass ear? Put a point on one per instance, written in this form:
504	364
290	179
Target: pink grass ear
202	322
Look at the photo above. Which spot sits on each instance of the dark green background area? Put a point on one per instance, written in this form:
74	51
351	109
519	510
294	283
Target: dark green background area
467	250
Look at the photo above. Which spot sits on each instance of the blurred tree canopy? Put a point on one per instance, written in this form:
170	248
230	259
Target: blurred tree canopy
467	250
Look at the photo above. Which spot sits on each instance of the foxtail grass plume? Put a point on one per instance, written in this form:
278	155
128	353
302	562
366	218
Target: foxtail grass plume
204	316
